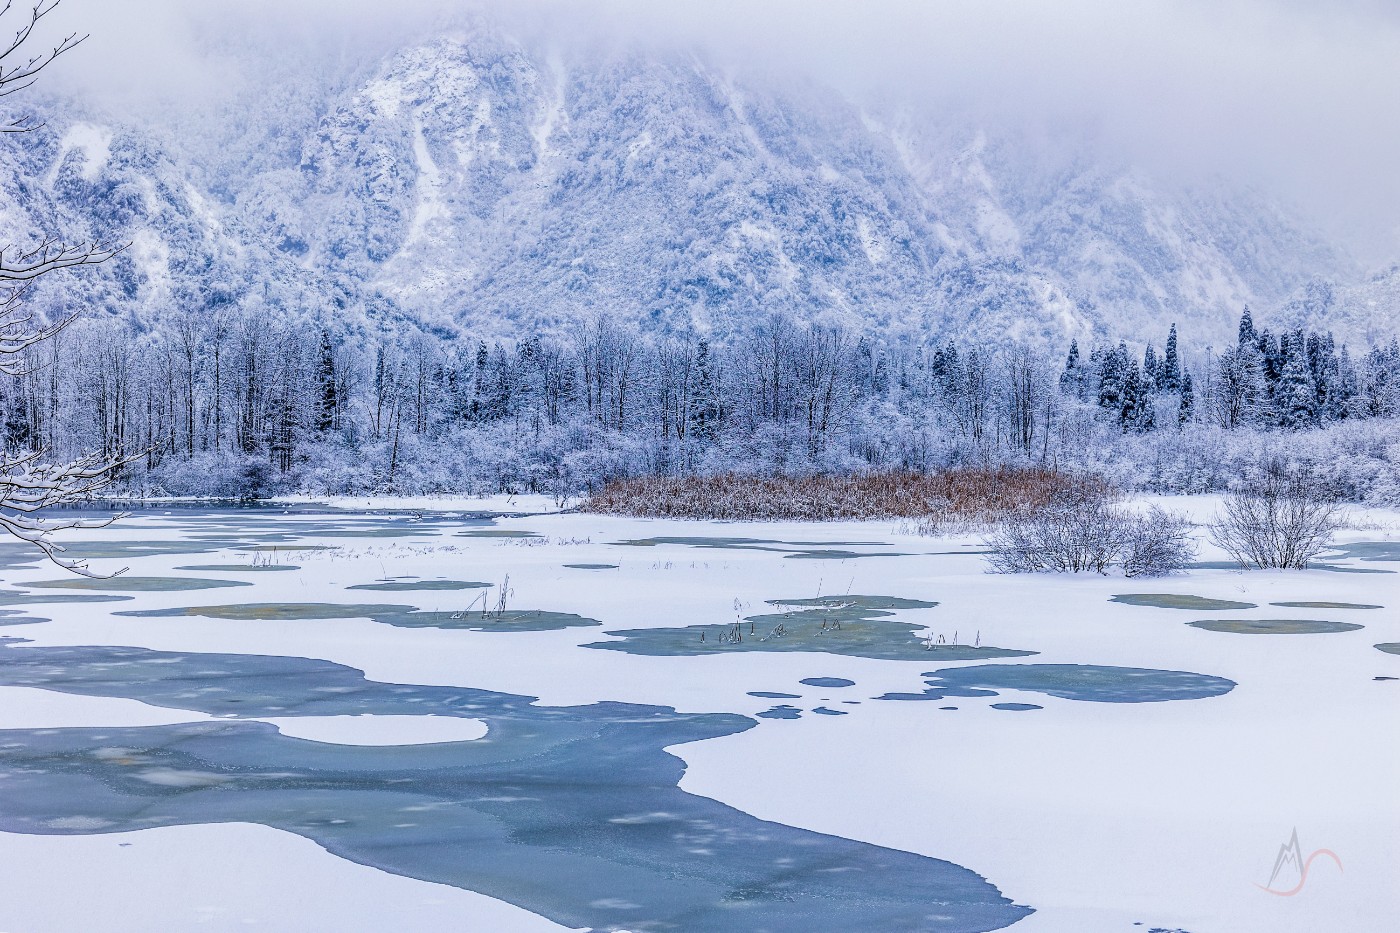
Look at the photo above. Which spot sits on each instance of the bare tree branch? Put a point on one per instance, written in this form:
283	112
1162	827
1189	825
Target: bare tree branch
18	265
18	73
28	485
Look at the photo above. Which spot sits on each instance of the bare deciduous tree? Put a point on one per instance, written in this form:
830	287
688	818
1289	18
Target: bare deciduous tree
28	483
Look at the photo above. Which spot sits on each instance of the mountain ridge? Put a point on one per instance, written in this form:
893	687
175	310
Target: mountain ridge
474	183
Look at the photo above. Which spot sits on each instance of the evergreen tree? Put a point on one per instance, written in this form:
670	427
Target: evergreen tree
1169	373
1073	378
1247	335
1113	372
1186	402
1295	397
1150	372
704	408
328	388
1137	413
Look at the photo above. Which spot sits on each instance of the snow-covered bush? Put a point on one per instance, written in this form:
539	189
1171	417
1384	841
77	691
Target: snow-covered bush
1157	543
1089	532
1284	521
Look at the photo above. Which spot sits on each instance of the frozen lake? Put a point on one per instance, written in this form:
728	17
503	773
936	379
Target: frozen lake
305	717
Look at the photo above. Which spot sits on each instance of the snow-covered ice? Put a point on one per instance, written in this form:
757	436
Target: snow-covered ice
1097	815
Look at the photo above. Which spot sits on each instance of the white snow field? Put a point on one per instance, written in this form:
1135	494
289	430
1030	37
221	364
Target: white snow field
1099	816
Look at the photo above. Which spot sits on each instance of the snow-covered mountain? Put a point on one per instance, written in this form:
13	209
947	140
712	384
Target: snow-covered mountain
472	182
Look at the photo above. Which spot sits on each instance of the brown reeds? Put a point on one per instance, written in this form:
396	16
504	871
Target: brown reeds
967	495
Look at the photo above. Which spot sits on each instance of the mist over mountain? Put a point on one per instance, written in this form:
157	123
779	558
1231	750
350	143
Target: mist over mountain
473	181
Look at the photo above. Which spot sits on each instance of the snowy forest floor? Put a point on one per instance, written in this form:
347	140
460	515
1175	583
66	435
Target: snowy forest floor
1097	813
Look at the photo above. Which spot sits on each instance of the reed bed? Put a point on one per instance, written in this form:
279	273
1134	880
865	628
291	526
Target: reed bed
970	495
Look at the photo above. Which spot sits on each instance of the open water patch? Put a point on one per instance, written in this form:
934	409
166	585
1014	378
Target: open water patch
573	813
803	550
852	626
14	598
1274	626
863	603
240	568
478	620
496	533
591	566
1389	647
1326	605
826	682
128	584
1016	707
410	586
1365	551
816	630
1087	682
1179	601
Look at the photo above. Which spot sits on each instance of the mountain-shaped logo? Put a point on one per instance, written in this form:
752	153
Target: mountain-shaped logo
1291	868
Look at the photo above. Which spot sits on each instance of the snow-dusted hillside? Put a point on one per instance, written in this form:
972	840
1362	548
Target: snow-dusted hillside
473	182
1370	308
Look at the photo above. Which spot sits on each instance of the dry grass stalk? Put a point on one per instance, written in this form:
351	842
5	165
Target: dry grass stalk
966	495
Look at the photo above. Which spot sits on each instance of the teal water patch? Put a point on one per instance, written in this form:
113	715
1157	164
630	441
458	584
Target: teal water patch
826	682
591	566
774	695
1327	605
1016	707
1087	682
710	541
1312	565
1274	626
13	598
939	693
127	584
802	550
867	603
1365	551
496	533
1390	647
555	808
829	631
409	586
782	711
511	620
240	568
853	626
1178	601
284	548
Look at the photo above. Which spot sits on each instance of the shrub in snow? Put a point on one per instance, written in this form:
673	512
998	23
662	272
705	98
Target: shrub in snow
1283	520
1157	543
1088	532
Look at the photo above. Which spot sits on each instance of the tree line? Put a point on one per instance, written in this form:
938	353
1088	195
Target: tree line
228	402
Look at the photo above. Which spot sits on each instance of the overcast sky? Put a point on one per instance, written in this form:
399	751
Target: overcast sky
1300	96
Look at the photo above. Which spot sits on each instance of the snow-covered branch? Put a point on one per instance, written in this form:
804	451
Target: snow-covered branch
28	485
18	69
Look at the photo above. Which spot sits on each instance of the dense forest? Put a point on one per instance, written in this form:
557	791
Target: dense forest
230	403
